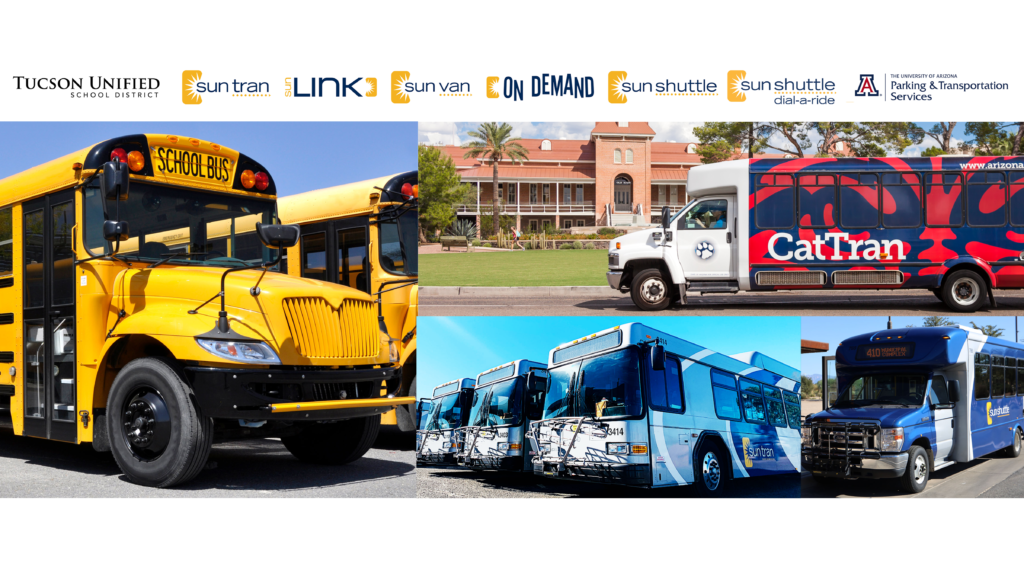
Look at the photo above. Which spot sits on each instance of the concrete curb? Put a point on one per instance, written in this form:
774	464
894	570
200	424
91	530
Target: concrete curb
516	291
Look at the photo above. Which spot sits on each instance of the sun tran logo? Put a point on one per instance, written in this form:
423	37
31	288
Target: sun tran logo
753	452
193	88
866	86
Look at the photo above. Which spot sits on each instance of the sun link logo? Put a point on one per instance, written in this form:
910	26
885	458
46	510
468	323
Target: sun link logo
996	412
866	87
811	249
753	452
193	88
786	91
402	87
342	88
557	85
619	87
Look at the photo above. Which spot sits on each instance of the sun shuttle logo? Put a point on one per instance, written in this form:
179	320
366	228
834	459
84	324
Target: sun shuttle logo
733	82
398	93
493	87
615	93
996	412
189	79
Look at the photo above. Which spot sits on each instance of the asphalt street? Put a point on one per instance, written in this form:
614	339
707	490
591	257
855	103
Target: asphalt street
594	301
443	483
254	468
993	476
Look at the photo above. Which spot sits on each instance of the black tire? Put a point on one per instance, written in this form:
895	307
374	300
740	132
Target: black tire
937	292
179	445
1013	450
964	291
824	480
406	413
649	291
915	478
711	484
334	443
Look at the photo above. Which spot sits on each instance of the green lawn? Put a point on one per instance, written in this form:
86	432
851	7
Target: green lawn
529	268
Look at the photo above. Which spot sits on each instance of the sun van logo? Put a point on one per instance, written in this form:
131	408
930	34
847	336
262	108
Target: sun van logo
866	87
403	87
189	79
733	82
615	81
398	81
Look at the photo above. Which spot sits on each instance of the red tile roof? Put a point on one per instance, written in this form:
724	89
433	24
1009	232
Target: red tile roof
660	174
635	128
517	171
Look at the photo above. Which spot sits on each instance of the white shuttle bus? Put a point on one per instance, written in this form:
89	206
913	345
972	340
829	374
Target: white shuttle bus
635	406
439	442
506	399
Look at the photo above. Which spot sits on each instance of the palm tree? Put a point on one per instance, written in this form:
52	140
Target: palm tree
494	141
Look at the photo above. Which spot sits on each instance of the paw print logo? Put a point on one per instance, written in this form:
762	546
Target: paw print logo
704	250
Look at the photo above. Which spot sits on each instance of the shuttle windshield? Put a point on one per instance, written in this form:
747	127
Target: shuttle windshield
856	390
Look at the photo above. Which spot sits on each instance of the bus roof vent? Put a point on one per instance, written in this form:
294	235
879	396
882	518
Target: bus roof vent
867	277
794	278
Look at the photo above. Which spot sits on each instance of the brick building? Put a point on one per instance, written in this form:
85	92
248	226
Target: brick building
620	176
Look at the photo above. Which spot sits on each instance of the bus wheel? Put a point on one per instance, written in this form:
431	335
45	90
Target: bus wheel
709	478
1013	450
916	476
334	442
650	291
157	433
963	291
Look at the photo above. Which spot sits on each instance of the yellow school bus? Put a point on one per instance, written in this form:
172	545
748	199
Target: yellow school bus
364	236
141	310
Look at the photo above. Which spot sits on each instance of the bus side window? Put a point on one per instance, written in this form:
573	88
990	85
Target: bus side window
858	198
314	256
1020	377
727	402
792	409
666	386
943	205
817	201
986	199
901	200
981	375
352	258
6	242
1016	200
753	402
773	403
775	201
998	377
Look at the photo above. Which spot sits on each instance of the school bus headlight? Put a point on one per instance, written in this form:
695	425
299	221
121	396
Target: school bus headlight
618	448
249	352
248	179
638	448
892	440
136	161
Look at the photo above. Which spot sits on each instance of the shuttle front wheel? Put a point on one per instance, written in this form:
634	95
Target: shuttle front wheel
915	478
708	475
649	291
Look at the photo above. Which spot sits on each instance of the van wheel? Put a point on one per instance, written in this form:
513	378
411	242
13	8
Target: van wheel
963	291
334	443
157	433
708	474
916	476
1013	450
650	291
937	292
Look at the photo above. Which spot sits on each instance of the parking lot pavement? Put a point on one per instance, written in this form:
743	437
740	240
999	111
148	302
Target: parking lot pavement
993	476
254	468
442	483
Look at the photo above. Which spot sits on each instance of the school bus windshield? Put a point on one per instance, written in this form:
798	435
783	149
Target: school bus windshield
205	228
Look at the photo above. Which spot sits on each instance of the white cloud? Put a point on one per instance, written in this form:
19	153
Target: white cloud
439	133
676	131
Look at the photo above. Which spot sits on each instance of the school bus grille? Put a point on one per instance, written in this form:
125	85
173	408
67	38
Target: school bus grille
867	277
795	278
320	331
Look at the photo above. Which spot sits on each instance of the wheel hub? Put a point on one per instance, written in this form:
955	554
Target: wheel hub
146	424
920	468
711	471
965	291
653	290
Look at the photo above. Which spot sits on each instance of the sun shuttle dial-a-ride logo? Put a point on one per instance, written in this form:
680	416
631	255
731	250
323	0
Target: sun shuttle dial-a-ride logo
733	85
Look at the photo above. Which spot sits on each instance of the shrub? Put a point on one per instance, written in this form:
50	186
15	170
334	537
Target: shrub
566	246
476	243
606	230
589	246
577	245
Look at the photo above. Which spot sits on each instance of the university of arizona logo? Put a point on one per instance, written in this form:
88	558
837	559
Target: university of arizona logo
866	86
704	250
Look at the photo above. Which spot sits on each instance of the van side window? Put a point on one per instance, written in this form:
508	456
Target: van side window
818	201
775	201
998	380
901	200
792	409
6	242
858	197
727	403
943	203
986	199
753	402
981	375
939	393
773	403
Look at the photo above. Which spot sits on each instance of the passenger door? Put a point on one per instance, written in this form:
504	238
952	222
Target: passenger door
705	238
670	435
942	416
49	328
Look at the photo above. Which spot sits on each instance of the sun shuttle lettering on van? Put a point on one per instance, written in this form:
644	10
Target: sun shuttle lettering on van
806	250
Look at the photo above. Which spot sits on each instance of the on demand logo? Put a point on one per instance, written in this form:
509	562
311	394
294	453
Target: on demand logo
189	79
615	93
398	93
733	80
493	87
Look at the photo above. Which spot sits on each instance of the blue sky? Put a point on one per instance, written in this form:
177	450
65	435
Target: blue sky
301	156
834	330
464	346
448	132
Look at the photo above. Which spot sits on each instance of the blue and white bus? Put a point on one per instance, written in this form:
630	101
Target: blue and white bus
635	406
422	413
506	399
439	443
911	401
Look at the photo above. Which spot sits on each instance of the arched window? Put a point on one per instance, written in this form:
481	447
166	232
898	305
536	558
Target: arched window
691	148
545	145
629	156
618	156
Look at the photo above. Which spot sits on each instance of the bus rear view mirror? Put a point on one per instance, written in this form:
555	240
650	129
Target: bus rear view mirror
114	181
954	391
666	215
277	236
115	231
658	357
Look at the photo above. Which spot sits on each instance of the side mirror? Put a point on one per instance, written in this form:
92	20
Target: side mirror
666	215
954	391
658	357
277	236
115	231
114	181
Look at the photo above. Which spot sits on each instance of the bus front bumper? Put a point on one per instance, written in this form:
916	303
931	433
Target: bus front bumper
303	395
603	472
508	463
437	460
864	466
